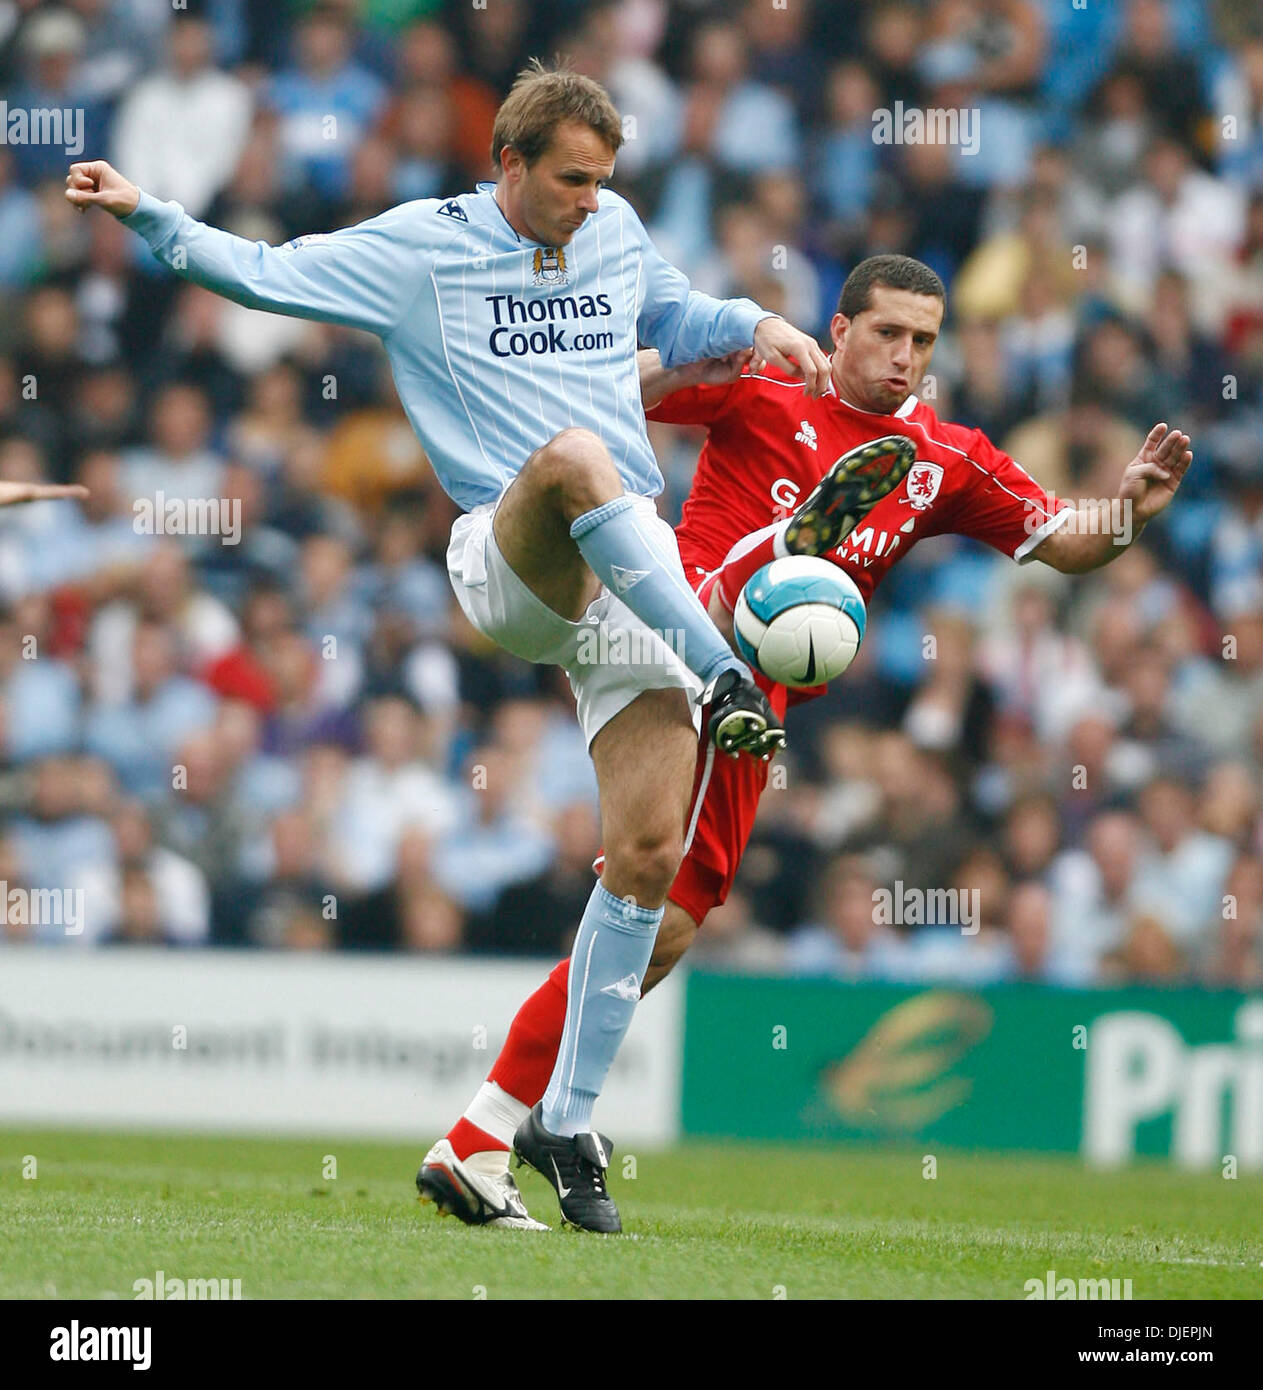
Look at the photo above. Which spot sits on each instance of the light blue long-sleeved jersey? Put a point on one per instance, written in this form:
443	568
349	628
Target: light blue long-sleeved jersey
496	343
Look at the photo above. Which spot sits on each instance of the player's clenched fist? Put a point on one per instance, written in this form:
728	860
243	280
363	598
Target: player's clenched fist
99	183
794	352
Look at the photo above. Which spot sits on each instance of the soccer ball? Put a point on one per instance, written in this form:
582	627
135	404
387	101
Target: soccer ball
800	620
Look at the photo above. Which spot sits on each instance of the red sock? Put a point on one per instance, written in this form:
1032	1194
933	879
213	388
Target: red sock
746	558
466	1138
529	1053
521	1070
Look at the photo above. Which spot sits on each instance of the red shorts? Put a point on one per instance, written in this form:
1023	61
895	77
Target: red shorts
725	801
726	795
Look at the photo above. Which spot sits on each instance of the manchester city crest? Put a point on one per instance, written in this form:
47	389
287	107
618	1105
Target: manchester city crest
550	266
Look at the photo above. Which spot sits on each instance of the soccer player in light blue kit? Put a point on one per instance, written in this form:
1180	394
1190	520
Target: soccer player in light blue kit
511	317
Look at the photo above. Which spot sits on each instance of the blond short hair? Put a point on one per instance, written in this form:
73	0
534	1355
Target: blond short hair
542	99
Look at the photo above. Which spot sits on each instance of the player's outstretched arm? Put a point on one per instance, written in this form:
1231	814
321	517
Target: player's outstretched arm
363	276
13	494
657	381
1102	529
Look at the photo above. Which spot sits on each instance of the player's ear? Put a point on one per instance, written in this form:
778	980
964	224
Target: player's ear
837	329
511	162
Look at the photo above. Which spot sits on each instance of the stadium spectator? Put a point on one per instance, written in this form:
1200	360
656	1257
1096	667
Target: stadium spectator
387	790
140	917
1037	671
534	916
19	229
497	842
1178	217
741	124
1148	51
845	156
179	462
952	709
428	61
180	893
1230	682
1233	949
325	104
1032	834
203	820
1147	956
1029	954
1239	97
139	737
41	705
292	887
162	125
847	941
56	831
1180	879
53	44
1095	889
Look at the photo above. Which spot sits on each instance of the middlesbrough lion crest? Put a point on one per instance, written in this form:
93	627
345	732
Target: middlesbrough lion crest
923	483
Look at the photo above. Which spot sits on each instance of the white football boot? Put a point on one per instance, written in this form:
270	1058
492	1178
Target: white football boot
474	1189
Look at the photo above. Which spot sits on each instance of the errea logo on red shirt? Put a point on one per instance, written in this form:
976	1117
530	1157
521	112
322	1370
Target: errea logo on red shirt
806	435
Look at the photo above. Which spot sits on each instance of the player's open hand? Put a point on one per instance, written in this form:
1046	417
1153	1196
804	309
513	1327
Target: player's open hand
721	371
12	494
96	183
794	352
1151	478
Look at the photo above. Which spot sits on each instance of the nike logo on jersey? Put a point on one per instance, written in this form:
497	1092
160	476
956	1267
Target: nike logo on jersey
626	579
452	209
627	988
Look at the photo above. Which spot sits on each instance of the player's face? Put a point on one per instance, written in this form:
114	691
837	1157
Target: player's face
882	353
553	198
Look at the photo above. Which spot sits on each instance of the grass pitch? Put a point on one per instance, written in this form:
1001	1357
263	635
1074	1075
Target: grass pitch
703	1221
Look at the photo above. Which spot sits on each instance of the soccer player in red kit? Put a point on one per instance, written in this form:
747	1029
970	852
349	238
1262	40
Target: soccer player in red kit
776	477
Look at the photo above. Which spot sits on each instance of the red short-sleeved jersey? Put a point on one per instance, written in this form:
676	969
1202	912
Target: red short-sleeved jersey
769	444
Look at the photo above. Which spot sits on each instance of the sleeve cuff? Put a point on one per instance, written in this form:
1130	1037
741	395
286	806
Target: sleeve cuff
747	316
1026	551
153	219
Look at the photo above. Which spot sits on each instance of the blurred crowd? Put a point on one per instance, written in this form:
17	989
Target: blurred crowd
297	740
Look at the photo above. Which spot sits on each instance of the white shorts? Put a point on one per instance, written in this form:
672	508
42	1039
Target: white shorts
609	655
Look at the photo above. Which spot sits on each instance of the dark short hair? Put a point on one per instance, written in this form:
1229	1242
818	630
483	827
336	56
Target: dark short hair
542	99
896	273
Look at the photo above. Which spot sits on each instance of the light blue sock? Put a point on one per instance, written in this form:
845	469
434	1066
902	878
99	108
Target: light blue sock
607	966
626	558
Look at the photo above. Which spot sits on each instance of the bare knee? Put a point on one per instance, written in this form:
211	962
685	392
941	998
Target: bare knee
643	865
576	467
